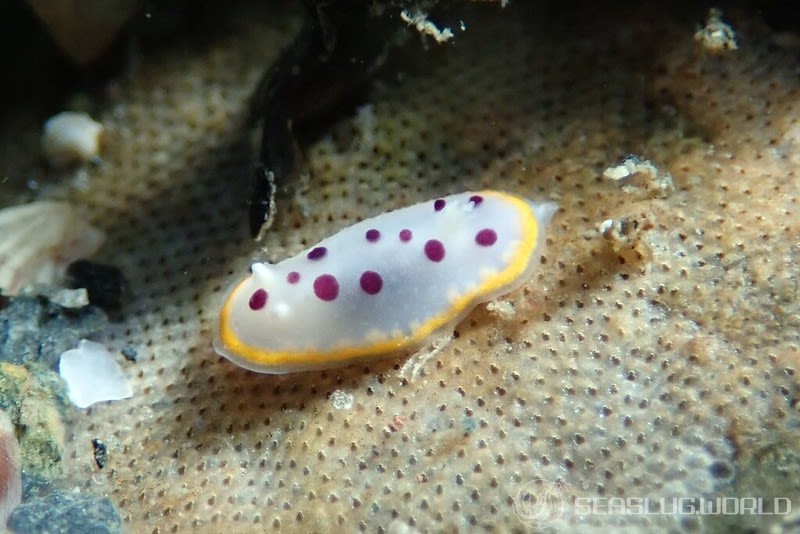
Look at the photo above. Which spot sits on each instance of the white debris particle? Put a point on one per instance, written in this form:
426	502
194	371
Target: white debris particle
502	308
341	400
717	36
419	19
638	174
618	172
626	237
364	121
71	298
618	229
605	227
92	375
269	177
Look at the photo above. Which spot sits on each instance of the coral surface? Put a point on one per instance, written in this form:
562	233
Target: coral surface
652	356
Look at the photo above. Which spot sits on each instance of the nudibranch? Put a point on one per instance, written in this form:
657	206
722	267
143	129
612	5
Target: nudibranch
383	285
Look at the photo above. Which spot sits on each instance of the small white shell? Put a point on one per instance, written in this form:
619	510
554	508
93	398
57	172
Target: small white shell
71	137
39	240
92	375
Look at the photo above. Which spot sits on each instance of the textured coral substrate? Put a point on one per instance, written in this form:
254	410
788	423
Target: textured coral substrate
656	358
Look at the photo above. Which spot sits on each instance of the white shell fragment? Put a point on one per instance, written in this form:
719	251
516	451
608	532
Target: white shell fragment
92	375
39	240
70	138
71	298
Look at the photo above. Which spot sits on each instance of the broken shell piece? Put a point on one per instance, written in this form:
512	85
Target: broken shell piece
10	469
71	298
71	137
92	375
39	240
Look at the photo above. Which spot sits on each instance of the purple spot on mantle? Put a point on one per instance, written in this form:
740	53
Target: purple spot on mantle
373	235
371	282
486	237
434	250
476	200
293	277
317	253
258	299
439	204
326	287
405	235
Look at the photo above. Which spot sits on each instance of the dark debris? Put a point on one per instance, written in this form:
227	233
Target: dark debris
61	512
33	329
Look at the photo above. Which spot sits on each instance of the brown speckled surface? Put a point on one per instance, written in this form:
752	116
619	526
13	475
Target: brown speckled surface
660	366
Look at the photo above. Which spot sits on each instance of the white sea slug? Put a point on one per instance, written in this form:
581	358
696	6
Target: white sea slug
71	137
382	285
